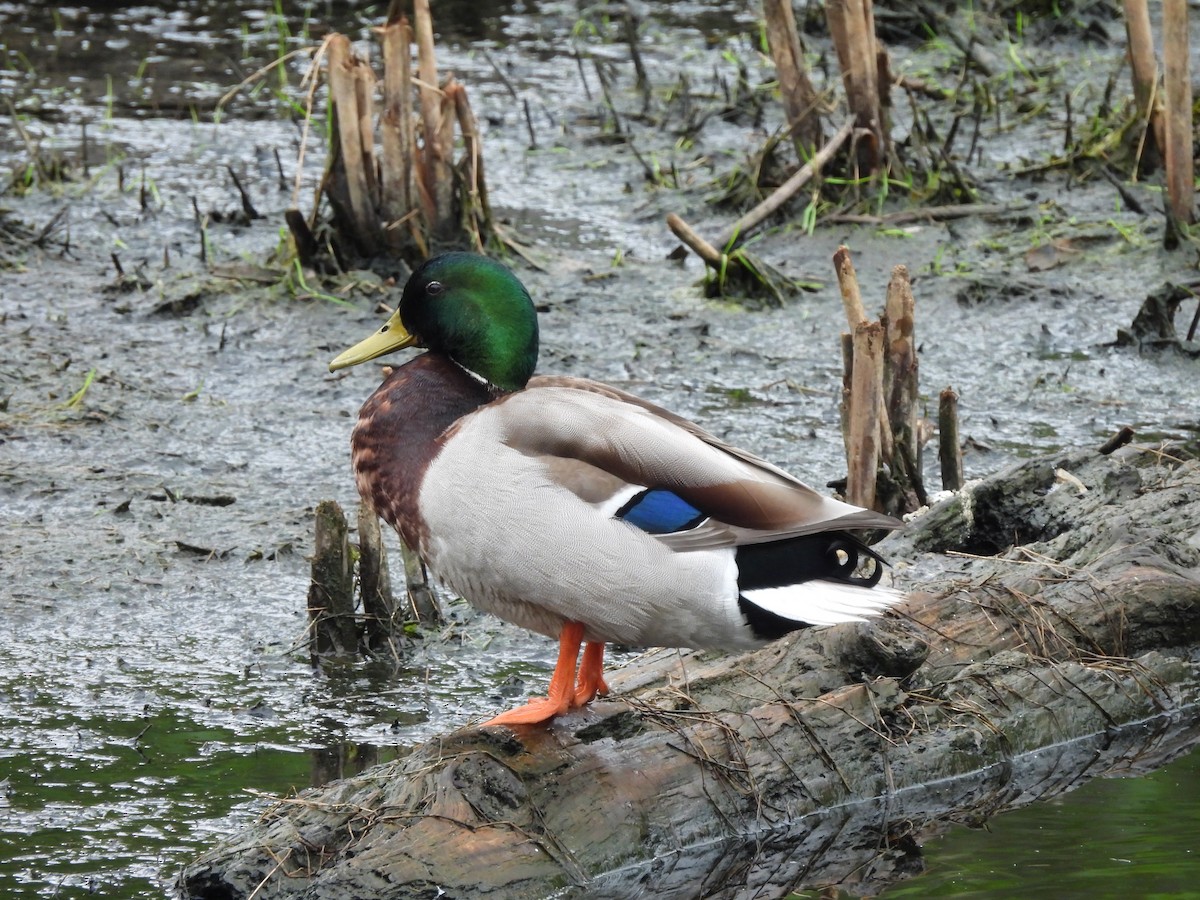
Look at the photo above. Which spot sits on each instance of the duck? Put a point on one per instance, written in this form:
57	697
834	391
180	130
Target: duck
580	511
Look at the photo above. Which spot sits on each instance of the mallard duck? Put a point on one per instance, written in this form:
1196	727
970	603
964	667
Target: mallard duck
580	511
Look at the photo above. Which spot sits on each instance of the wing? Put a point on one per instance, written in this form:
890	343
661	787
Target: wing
661	472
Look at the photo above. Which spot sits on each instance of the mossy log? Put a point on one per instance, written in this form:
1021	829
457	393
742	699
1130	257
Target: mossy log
1050	636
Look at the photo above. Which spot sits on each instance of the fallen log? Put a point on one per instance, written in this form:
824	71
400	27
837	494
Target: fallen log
1052	639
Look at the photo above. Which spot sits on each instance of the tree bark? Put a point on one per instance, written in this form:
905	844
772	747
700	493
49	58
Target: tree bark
1052	639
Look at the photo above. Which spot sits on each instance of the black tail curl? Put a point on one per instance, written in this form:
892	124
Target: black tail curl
827	556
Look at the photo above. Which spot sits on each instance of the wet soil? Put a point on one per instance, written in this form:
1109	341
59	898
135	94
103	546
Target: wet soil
154	527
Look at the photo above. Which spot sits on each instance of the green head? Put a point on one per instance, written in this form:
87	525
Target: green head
468	307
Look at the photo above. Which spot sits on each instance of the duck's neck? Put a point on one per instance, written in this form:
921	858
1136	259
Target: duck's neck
400	430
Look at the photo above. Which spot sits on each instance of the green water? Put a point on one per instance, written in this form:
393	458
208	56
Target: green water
1113	837
96	809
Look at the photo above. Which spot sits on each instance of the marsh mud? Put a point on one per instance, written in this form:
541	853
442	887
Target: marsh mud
167	429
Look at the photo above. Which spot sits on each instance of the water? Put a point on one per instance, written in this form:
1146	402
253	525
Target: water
1113	837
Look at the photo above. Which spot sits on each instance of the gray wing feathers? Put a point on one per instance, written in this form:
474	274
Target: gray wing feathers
595	441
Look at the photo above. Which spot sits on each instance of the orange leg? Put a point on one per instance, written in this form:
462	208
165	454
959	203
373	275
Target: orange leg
537	712
591	675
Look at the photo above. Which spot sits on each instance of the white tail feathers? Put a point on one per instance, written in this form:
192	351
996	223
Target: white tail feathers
824	602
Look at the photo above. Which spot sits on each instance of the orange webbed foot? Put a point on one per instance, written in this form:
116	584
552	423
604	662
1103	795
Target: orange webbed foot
562	693
591	675
535	712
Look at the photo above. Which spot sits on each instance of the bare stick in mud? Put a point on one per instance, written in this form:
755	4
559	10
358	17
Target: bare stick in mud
782	194
730	259
689	236
1122	437
928	213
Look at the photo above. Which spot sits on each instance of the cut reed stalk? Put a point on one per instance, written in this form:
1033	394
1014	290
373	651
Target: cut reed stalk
949	446
863	463
901	390
1177	88
395	127
800	99
852	27
1143	67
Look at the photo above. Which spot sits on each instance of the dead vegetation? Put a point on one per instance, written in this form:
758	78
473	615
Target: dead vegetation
881	398
392	180
1121	140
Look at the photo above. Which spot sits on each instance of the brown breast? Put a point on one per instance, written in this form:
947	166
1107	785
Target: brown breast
401	428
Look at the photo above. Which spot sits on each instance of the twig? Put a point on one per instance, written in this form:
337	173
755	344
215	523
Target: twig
784	192
687	234
928	214
1117	441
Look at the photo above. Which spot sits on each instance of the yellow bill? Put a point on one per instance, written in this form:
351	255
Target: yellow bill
392	336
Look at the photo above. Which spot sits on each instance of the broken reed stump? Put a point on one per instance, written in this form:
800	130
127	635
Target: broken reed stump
1153	327
1016	673
341	627
865	76
863	452
949	445
1143	71
801	103
880	396
423	605
412	198
334	632
1177	88
901	386
1122	437
381	619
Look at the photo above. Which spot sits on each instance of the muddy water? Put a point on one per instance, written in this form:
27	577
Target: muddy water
154	532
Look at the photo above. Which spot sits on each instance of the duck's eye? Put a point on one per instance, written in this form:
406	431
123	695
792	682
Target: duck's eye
434	288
